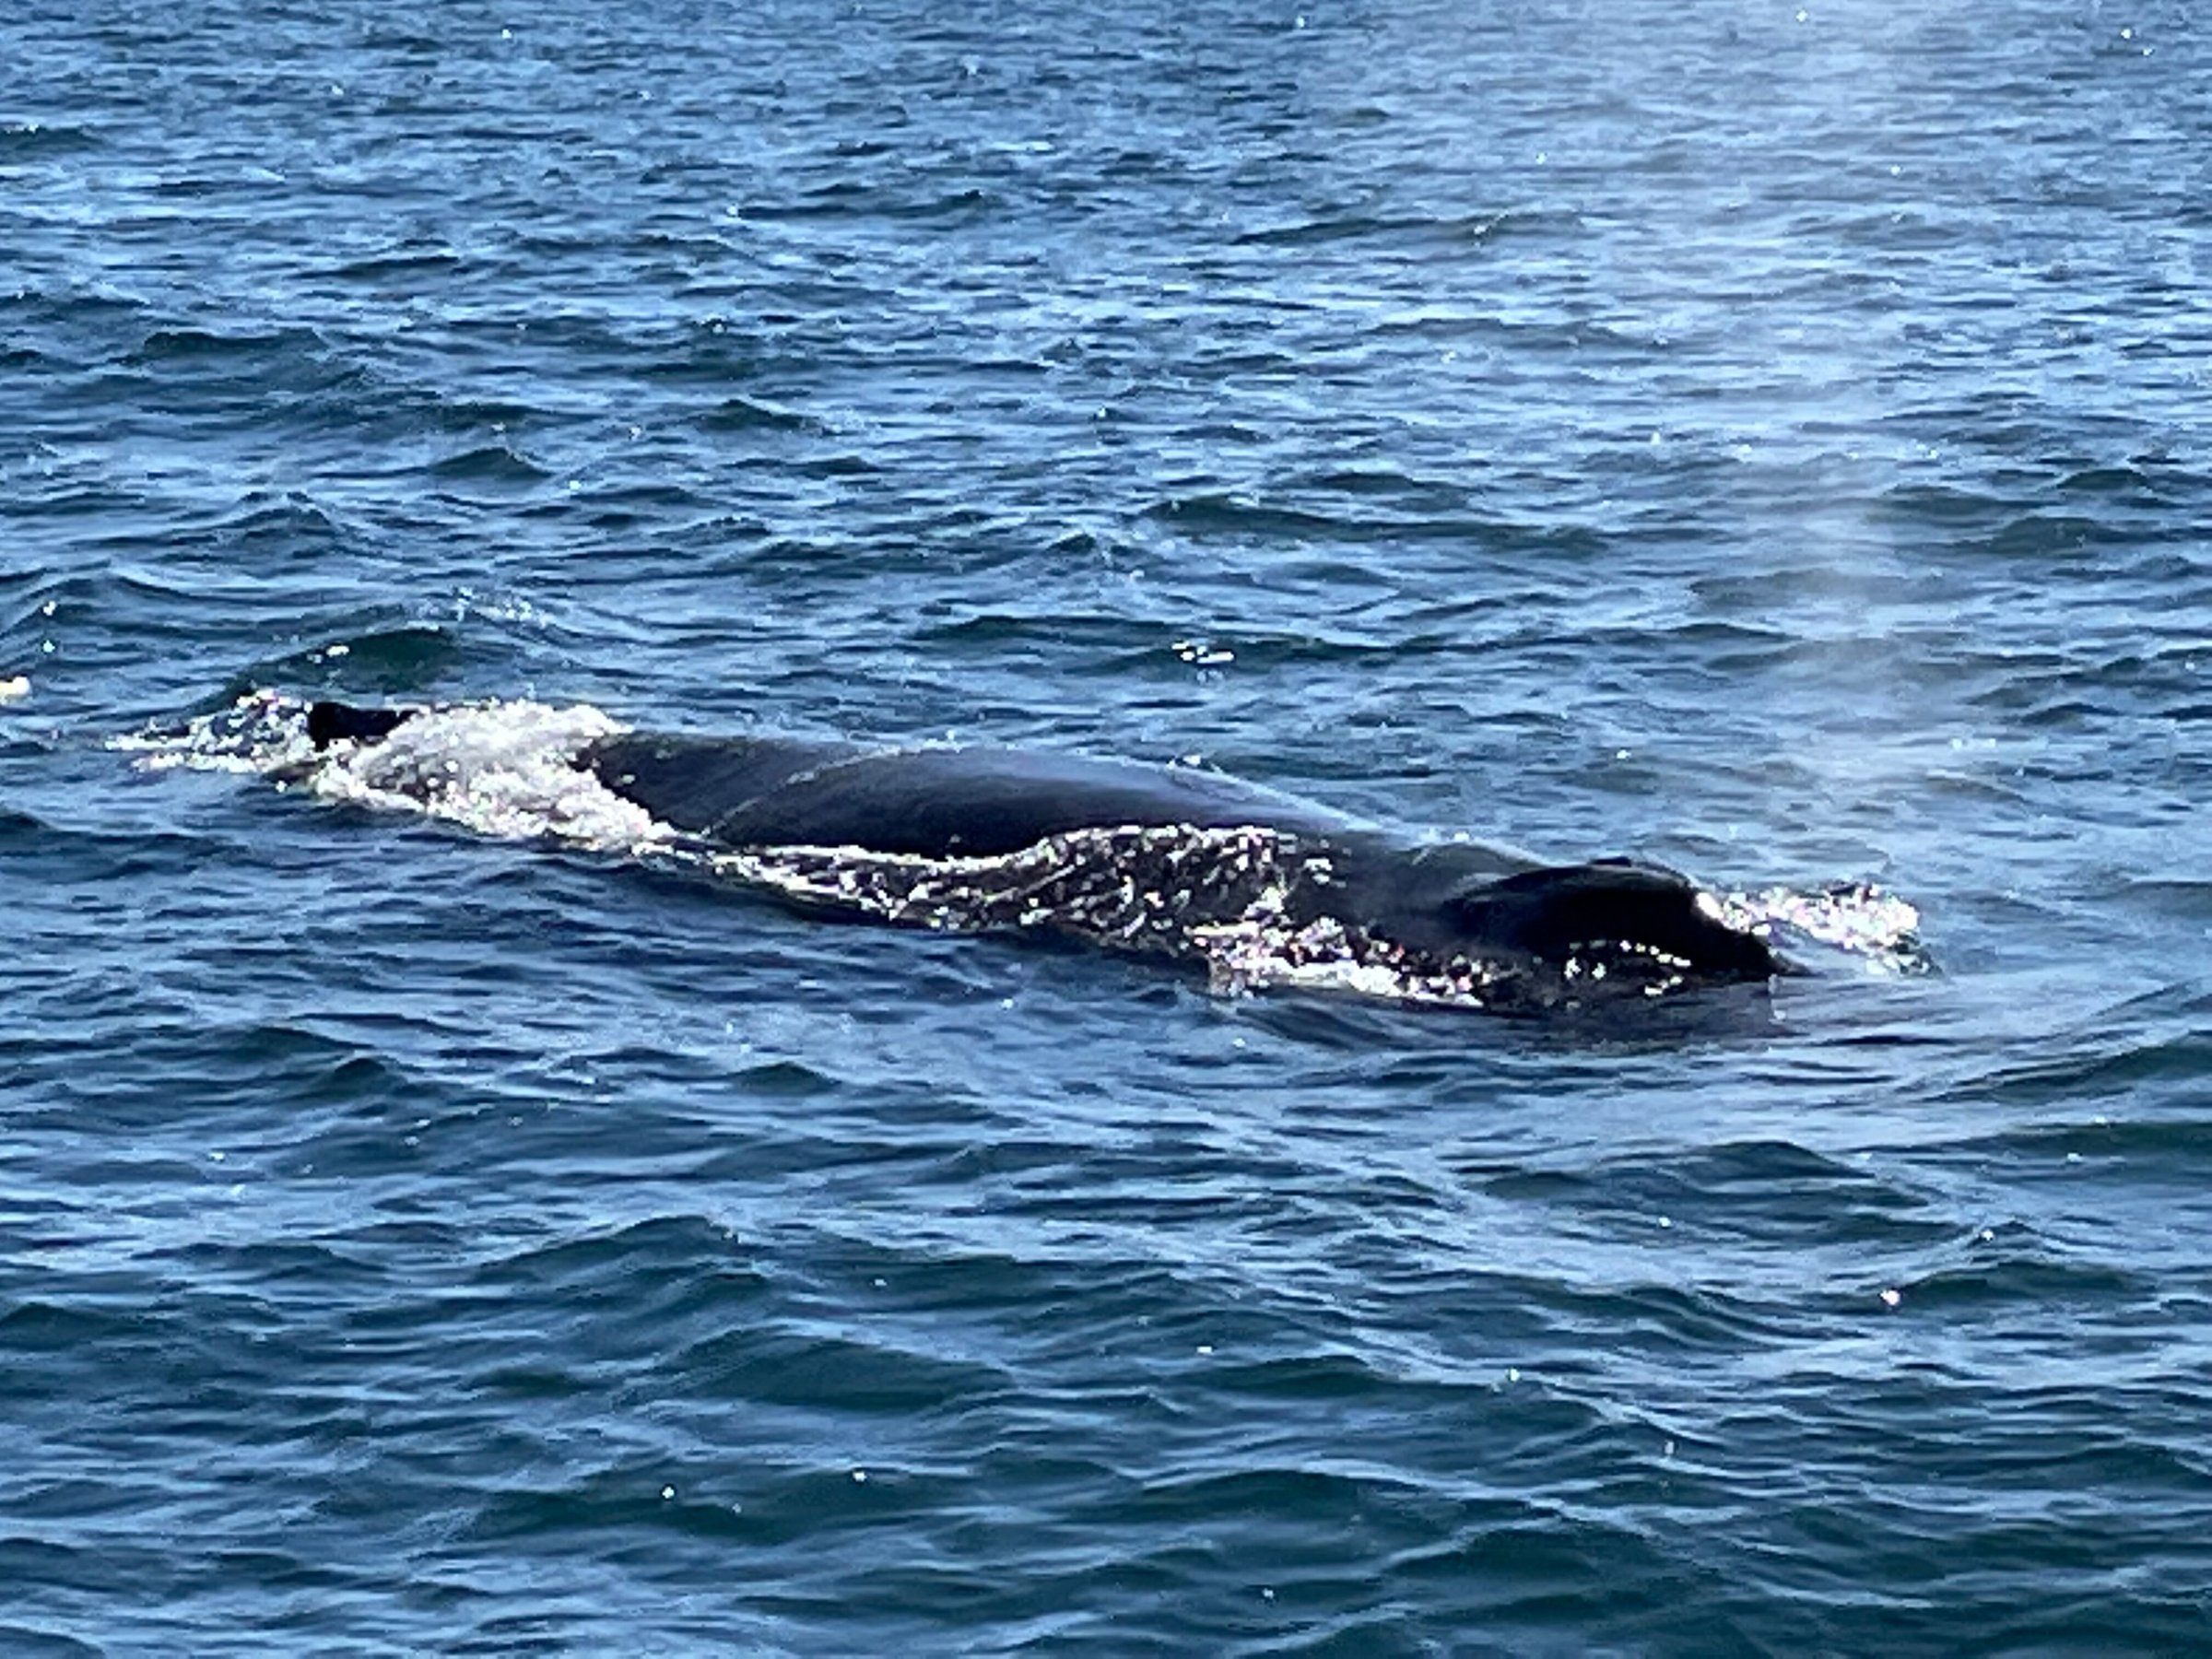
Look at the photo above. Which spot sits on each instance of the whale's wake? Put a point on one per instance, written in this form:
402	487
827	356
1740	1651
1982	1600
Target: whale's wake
1249	904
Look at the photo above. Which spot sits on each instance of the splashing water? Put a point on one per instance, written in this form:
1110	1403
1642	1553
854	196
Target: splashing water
500	769
1856	918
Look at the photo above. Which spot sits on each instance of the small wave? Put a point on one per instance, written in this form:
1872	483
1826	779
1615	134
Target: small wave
389	660
35	140
1225	514
279	521
1397	229
169	345
828	1372
489	464
874	201
662	1246
747	414
410	266
2039	1284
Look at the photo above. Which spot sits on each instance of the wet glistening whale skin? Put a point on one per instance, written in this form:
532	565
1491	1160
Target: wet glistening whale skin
1454	909
1258	887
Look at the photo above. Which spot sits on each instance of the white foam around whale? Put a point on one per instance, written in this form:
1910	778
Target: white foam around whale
502	769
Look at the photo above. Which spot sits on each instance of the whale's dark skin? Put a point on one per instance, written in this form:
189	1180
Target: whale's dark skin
750	794
935	802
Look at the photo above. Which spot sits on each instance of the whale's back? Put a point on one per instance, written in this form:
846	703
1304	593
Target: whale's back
931	803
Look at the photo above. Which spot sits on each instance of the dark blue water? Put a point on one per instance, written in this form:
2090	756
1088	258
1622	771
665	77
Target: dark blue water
1771	441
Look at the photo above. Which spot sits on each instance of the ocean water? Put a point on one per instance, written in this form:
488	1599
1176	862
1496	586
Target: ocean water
1767	439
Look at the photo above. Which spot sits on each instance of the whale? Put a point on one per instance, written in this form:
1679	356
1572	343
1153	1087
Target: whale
1261	888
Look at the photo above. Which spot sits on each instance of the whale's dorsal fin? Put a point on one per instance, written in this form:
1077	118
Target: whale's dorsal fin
328	723
1557	913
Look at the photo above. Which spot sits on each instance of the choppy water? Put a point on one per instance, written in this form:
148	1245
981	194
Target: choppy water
1766	439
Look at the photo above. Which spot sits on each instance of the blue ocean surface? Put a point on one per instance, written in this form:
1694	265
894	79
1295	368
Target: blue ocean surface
1765	437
